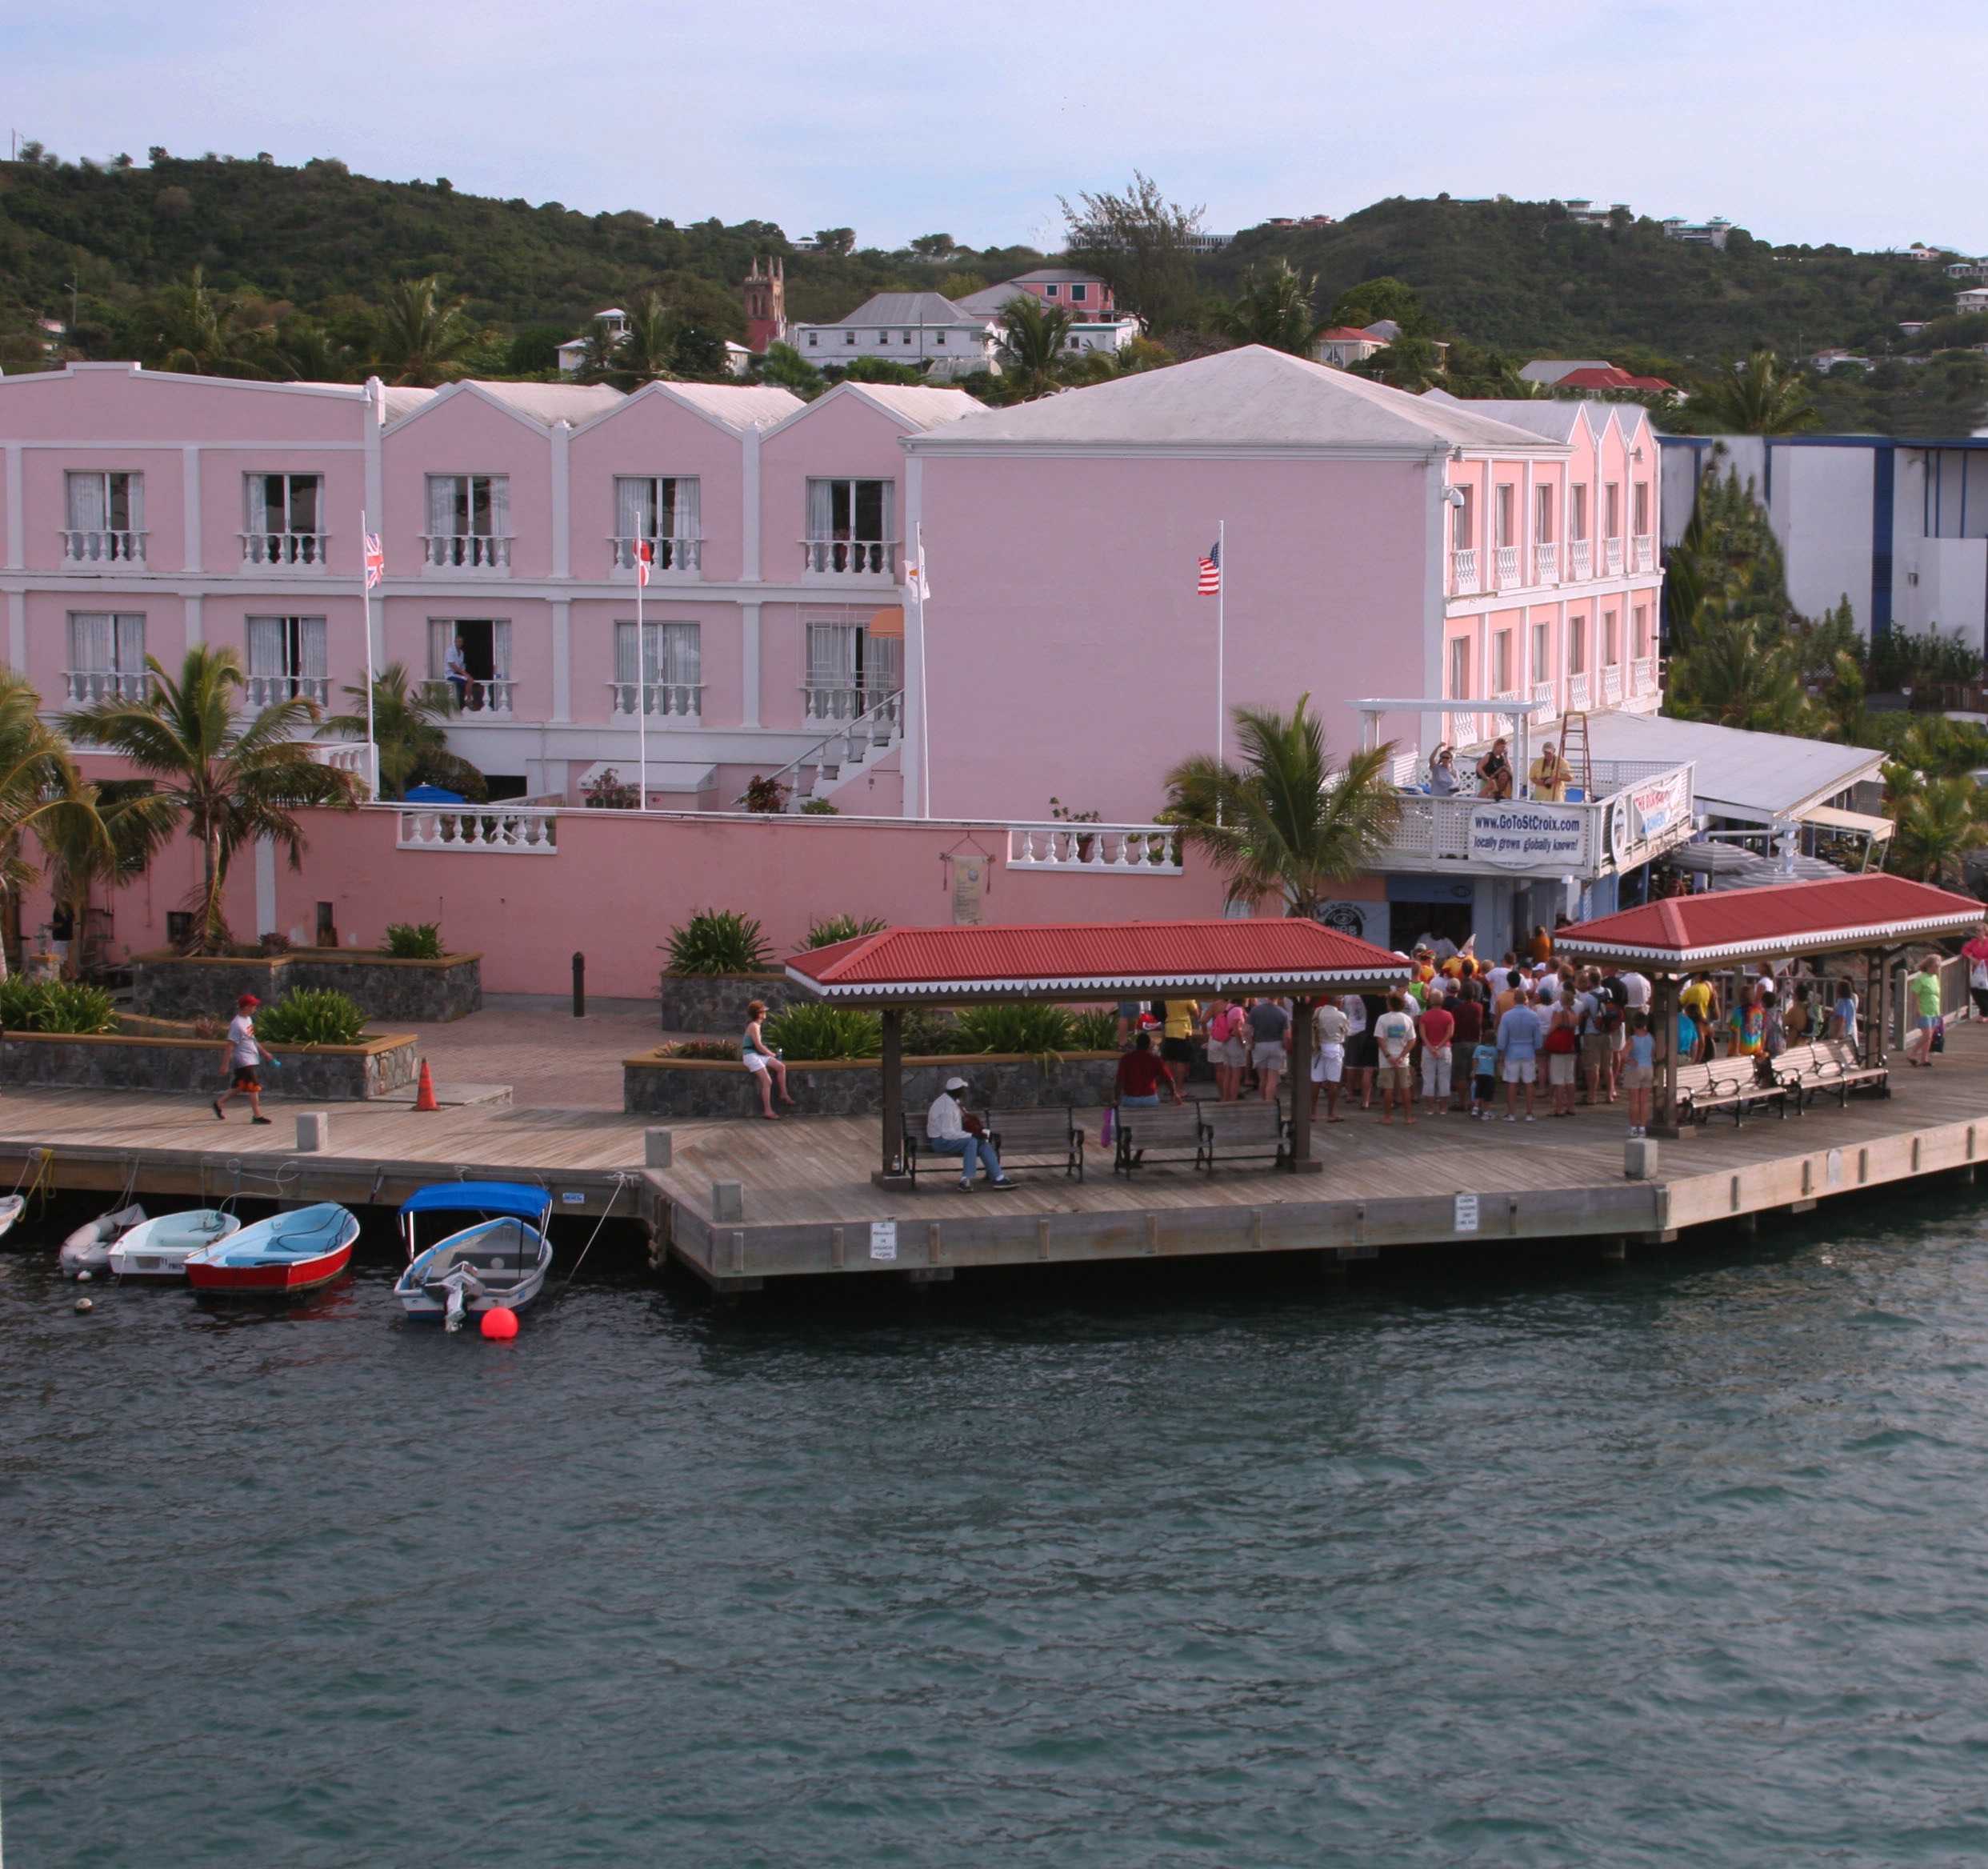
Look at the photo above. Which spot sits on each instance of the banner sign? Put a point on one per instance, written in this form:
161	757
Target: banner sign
1528	837
1659	804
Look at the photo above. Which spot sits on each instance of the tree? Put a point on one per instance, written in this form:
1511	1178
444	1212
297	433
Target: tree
786	368
1740	671
840	241
228	781
38	782
421	336
1410	362
1282	822
1033	335
196	332
935	246
1275	308
1727	544
107	835
1143	243
1761	396
1373	300
1939	823
408	730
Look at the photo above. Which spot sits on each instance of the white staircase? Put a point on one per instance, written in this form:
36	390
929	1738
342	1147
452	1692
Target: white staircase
854	749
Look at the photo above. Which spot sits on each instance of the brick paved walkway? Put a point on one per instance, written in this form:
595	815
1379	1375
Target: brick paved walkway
533	1043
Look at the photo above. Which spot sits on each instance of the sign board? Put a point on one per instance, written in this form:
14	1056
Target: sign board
883	1239
970	890
1467	1213
1364	921
1529	837
1656	805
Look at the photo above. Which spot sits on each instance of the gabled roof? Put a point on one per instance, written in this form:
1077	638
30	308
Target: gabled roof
1250	397
901	308
1688	931
1556	420
736	407
1347	333
919	406
1075	960
550	403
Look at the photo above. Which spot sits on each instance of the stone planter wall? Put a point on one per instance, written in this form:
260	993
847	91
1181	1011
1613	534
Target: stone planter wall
319	1074
172	985
715	1003
689	1087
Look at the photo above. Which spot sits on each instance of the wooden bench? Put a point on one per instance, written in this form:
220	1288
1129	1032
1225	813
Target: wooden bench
1029	1138
1164	1132
1809	1071
1732	1084
1254	1131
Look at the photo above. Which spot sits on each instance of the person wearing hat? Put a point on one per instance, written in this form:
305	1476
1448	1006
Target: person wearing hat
244	1056
949	1130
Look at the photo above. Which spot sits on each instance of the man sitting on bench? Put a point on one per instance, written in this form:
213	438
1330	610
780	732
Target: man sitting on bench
949	1131
1141	1075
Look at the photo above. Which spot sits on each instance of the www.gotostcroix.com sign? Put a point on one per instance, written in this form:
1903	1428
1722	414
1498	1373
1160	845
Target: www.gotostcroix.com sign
1528	837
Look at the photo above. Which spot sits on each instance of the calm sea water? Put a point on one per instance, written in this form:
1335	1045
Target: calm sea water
1680	1564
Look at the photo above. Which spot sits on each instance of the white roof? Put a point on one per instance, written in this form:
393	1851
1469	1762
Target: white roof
1550	369
548	403
924	408
739	405
1555	420
1250	397
1755	776
901	308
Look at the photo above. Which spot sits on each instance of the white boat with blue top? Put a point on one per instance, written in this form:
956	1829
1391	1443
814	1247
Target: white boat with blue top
497	1262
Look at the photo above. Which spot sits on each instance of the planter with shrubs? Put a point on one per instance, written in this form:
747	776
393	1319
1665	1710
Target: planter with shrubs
720	963
413	979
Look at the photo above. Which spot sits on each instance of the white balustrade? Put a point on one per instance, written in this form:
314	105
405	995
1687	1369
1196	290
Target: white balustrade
1463	730
104	548
501	829
1463	571
1579	550
1643	675
458	551
98	684
1136	850
1507	567
1646	552
682	699
849	557
1580	693
1542	698
681	555
266	690
352	756
822	702
286	550
1545	564
1611	688
1612	549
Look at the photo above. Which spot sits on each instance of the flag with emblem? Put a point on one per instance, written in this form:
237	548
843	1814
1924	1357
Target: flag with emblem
375	560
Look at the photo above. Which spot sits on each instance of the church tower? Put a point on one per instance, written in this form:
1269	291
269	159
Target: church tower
766	306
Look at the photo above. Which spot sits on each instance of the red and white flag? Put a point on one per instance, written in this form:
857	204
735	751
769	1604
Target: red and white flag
645	558
1209	582
375	560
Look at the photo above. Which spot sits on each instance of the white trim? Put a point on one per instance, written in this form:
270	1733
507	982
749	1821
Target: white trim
561	499
190	491
1074	986
749	650
17	509
1817	941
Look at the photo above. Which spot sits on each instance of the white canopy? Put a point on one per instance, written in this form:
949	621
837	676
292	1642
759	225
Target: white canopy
1753	778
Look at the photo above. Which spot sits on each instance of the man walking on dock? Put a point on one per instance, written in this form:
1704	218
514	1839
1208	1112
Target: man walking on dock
244	1056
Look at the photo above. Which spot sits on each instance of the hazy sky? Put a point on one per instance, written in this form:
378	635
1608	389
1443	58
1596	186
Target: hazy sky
1827	120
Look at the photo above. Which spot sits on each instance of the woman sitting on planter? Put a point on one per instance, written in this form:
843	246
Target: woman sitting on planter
764	1066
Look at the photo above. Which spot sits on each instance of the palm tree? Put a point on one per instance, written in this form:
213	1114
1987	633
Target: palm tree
1275	310
1283	821
201	332
37	781
1939	823
406	727
1761	396
420	335
1739	671
650	351
1034	343
229	782
104	836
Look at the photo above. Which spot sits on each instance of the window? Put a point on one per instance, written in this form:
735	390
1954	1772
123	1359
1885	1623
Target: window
1640	630
672	667
1462	530
907	337
849	669
106	518
849	336
1542	515
1641	499
1577	513
286	659
285	524
1459	668
1576	645
469	520
1611	510
1050	290
1502	662
1506	495
938	337
883	336
1079	294
1610	628
815	336
1542	652
107	655
851	526
485	669
662	510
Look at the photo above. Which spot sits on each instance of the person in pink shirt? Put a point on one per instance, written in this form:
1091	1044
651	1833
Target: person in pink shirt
1976	955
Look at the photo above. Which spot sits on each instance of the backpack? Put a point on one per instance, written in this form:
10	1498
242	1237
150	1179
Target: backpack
1610	1007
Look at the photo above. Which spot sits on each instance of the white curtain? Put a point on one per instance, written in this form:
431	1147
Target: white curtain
267	647
685	522
889	530
500	488
89	508
444	491
680	660
311	647
633	501
820	508
441	635
130	638
90	640
831	655
624	652
501	649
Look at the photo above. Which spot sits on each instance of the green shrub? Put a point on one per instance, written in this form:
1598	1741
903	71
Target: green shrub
821	808
718	1050
414	940
54	1005
717	941
811	1030
831	929
929	1031
1095	1029
1029	1026
318	1017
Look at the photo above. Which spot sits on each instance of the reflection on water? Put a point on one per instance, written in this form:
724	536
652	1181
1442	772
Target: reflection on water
1677	1564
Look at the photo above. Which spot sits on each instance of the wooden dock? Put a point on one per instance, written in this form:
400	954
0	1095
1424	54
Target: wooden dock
805	1206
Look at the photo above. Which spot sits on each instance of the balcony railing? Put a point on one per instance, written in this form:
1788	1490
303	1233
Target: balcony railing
1612	556
1463	571
1545	564
1646	552
849	558
1612	687
683	700
1580	693
823	701
104	548
855	744
99	684
1123	850
1542	698
1507	567
1643	675
288	550
679	555
1463	730
1579	551
506	830
458	551
481	694
266	690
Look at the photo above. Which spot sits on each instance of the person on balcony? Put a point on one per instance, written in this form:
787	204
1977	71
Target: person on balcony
1494	772
1442	773
455	668
1550	777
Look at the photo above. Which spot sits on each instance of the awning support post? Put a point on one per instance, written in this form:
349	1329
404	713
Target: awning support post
893	1092
1664	1116
1299	1078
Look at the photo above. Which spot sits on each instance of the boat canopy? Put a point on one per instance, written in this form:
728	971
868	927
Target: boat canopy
481	1197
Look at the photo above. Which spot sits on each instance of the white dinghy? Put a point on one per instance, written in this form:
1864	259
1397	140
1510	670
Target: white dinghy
157	1248
88	1248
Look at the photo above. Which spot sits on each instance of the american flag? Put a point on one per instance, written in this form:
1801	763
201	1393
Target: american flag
644	557
375	560
1210	584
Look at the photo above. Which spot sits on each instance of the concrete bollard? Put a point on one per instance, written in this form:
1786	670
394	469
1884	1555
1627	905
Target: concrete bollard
1639	1159
313	1132
728	1201
656	1146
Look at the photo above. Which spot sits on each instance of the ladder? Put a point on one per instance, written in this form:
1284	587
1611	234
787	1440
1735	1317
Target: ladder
1574	733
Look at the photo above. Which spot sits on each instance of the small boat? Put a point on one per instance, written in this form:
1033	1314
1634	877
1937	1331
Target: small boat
88	1248
295	1251
159	1248
497	1263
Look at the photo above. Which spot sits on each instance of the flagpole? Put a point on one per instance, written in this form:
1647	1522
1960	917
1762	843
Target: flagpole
1222	601
366	618
642	680
925	724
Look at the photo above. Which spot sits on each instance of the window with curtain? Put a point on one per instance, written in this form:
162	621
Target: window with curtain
1640	498
1610	631
468	519
672	666
1461	530
1459	668
1611	510
285	520
1502	662
1640	631
106	516
1507	499
1578	646
1542	515
849	670
1578	514
852	525
1542	652
287	658
662	509
106	655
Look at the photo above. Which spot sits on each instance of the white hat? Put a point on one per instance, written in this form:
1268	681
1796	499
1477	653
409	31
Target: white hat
956	1083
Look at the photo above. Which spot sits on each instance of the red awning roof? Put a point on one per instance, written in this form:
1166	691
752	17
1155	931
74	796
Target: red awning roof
1075	960
1762	924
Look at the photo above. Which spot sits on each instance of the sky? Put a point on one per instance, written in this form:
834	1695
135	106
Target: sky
1822	121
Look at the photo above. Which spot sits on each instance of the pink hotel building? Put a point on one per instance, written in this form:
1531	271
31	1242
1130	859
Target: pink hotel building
1475	561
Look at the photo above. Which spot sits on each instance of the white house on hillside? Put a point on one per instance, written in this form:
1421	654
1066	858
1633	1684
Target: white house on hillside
905	327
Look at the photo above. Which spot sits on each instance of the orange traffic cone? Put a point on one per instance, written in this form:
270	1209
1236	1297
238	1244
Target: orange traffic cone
425	1096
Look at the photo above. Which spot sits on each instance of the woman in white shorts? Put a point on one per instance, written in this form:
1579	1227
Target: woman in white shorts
766	1069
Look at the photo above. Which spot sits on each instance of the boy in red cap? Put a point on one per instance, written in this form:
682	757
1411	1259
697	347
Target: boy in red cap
244	1055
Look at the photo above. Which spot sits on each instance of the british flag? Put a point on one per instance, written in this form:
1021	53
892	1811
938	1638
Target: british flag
1210	583
375	560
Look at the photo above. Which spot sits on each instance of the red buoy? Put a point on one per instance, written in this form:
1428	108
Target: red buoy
500	1325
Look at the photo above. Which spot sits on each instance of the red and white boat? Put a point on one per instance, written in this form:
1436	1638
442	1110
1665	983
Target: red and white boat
296	1252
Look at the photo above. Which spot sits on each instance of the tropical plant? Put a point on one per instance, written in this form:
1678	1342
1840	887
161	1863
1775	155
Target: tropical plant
407	729
1283	822
767	796
718	941
1273	308
829	929
930	1031
1939	823
1761	396
102	837
311	1016
711	1050
610	792
786	368
229	782
1900	659
1033	337
195	332
1740	671
421	336
1094	1029
809	1029
820	808
1027	1026
39	788
414	940
1143	243
54	1005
